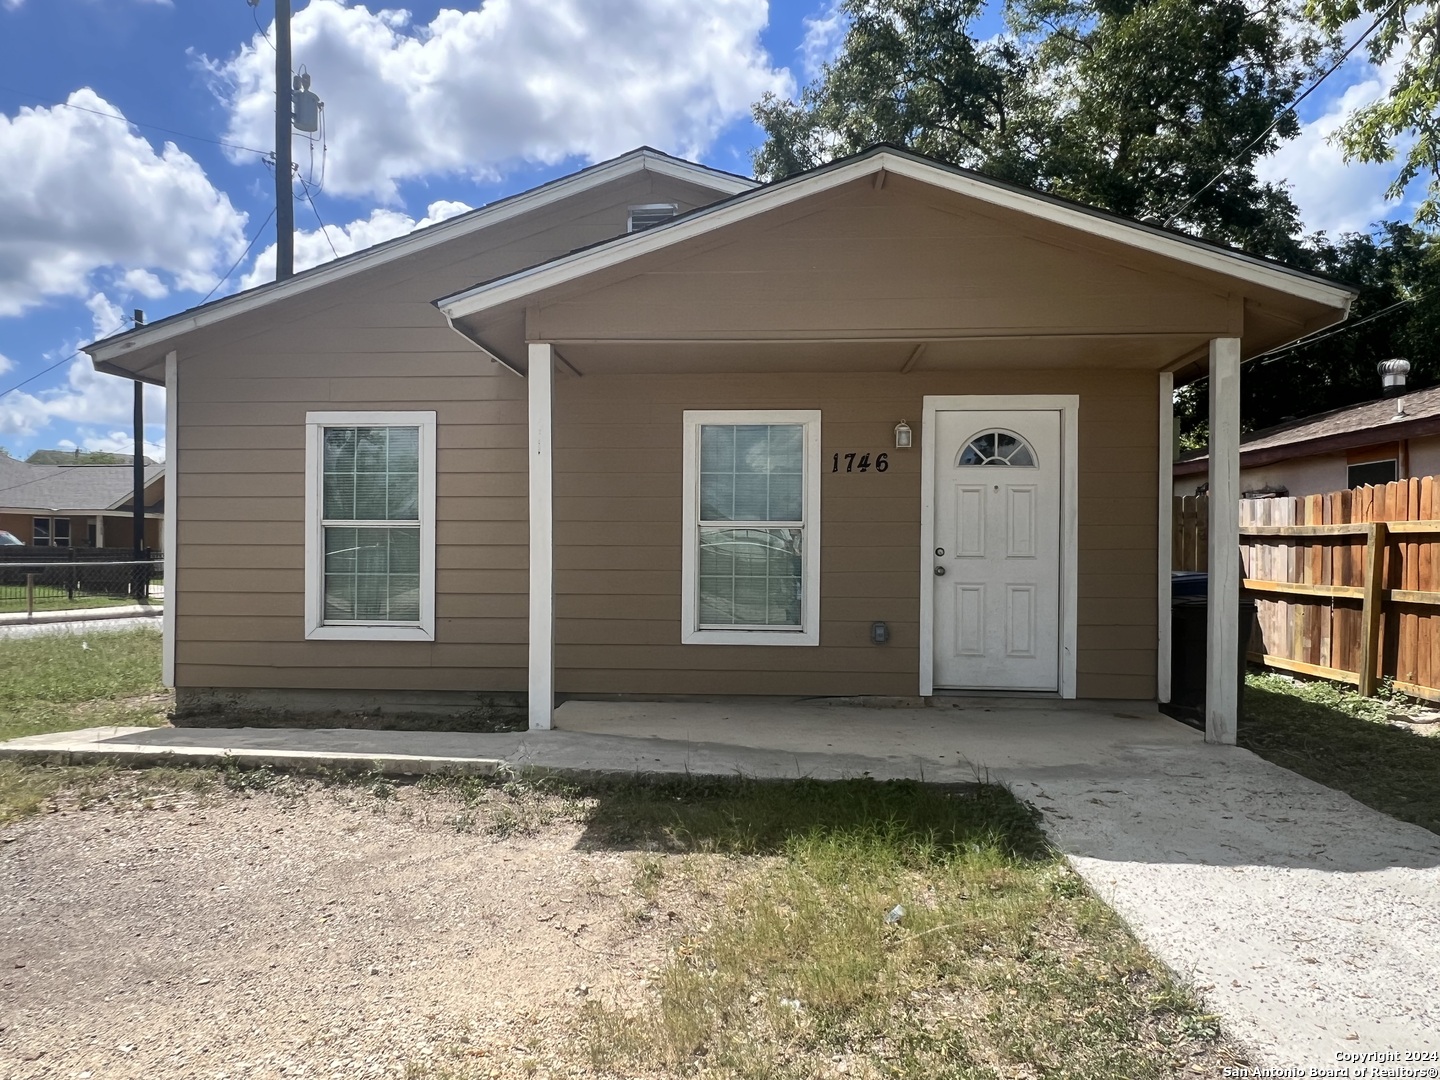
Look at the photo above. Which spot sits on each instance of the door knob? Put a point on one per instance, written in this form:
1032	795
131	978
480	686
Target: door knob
939	571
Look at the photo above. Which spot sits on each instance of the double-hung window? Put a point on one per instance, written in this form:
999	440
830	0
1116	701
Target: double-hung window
51	532
370	526
751	561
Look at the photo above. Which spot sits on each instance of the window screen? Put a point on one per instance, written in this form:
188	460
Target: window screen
371	524
751	526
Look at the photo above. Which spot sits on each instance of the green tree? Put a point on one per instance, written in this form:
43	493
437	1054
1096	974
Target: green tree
1405	122
1129	105
910	73
1397	271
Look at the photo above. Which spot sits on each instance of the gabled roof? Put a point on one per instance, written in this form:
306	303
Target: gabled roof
68	488
642	159
876	161
1366	424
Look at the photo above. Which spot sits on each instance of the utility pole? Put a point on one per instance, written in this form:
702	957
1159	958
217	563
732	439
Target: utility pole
284	192
138	510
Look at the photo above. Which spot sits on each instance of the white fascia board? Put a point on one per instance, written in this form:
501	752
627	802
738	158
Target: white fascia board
725	184
71	511
560	271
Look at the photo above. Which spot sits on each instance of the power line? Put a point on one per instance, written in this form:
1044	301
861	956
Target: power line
237	262
306	188
110	333
255	14
1282	114
134	123
58	363
1323	335
1279	351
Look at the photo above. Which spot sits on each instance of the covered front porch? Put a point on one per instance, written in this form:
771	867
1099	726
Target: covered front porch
866	297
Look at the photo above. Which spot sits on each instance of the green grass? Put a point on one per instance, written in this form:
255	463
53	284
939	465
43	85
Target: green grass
60	682
1002	965
47	599
1344	741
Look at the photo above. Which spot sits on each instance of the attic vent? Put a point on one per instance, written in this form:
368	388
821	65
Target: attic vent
650	215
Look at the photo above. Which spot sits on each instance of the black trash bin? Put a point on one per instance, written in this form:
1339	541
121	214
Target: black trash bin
1189	612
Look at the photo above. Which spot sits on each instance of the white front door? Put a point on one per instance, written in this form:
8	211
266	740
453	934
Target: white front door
996	561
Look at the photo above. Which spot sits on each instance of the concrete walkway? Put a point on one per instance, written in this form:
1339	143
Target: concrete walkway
1310	923
80	620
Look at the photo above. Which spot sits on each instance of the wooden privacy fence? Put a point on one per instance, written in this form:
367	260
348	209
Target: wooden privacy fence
1347	585
1191	521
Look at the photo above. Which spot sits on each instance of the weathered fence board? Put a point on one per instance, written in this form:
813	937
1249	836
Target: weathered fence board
1347	585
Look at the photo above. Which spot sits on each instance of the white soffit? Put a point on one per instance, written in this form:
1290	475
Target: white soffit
643	160
568	268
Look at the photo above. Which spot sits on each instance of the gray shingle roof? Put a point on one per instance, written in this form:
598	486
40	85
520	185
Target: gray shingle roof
56	488
1369	422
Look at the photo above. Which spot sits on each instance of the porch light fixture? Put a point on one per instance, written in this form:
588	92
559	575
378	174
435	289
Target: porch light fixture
902	436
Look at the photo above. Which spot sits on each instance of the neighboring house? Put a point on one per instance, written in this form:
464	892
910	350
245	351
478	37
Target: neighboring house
887	427
1374	442
78	505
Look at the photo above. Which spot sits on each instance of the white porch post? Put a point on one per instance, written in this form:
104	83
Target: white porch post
1222	700
100	529
170	526
1164	538
540	380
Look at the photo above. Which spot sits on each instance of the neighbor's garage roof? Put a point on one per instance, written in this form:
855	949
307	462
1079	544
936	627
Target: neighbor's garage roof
53	489
1366	424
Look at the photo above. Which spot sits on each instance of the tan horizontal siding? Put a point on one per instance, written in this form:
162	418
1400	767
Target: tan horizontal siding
618	543
1089	684
484	672
375	342
379	344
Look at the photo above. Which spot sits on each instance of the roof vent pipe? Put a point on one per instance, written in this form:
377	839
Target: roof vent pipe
1392	376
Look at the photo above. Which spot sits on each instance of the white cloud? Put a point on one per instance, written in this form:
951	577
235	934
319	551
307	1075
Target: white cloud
1334	196
6	364
107	315
118	442
511	80
824	34
80	193
87	397
312	248
143	283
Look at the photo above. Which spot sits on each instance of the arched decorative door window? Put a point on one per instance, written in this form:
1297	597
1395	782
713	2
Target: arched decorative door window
998	448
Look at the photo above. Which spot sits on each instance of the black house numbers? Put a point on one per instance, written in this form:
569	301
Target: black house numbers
856	461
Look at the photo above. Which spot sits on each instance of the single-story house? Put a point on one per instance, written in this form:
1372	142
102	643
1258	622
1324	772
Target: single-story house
886	427
78	505
1375	442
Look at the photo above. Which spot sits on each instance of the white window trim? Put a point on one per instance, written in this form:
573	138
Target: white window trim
690	632
315	627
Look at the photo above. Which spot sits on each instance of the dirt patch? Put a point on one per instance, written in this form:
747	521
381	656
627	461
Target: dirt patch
334	934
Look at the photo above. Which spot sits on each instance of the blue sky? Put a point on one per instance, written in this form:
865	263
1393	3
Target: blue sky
429	110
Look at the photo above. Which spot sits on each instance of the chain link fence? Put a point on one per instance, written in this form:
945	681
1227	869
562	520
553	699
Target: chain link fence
37	587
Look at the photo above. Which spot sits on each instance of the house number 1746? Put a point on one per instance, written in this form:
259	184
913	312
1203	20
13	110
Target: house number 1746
882	462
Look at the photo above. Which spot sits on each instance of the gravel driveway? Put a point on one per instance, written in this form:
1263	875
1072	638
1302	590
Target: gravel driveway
263	936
